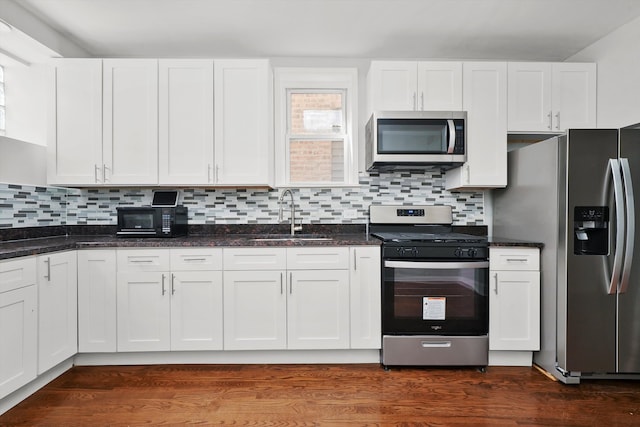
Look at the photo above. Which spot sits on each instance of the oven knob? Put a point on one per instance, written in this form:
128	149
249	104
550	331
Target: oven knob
458	252
473	252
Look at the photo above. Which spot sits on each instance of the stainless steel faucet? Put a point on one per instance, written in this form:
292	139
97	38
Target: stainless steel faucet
294	227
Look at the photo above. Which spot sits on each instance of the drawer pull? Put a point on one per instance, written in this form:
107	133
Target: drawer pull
436	344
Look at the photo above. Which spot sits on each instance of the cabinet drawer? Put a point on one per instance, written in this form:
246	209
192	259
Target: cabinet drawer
254	258
143	260
17	273
196	259
324	258
514	258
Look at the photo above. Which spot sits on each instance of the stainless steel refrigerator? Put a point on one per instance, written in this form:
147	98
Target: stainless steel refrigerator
575	193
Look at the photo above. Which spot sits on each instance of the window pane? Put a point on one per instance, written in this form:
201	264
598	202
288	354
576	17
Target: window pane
316	161
316	112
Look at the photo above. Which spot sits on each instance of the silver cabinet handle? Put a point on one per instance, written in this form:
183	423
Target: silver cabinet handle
48	275
290	283
104	173
517	260
173	288
209	172
163	289
217	170
95	173
422	101
355	261
194	259
140	261
281	290
558	120
415	101
631	225
495	288
550	117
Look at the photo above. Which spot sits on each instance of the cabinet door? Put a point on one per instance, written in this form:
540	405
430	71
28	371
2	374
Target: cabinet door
255	310
97	301
573	95
57	309
186	121
75	123
393	86
318	309
485	100
130	121
196	310
529	96
143	311
365	289
18	337
243	111
514	310
439	86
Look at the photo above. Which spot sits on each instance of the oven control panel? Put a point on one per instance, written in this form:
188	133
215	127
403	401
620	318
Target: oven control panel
442	251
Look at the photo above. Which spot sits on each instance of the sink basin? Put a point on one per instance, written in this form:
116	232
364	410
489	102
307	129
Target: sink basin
291	239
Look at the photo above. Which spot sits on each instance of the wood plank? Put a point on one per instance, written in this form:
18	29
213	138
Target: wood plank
334	395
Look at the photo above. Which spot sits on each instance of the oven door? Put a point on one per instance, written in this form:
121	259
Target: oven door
435	297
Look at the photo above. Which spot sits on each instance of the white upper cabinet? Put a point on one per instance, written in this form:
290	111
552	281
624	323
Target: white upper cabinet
185	145
392	85
439	86
485	100
130	121
243	122
75	123
551	97
415	86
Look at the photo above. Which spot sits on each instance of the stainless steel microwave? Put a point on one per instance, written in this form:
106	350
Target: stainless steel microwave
152	221
404	140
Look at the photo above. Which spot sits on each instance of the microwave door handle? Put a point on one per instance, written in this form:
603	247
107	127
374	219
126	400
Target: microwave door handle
452	136
631	225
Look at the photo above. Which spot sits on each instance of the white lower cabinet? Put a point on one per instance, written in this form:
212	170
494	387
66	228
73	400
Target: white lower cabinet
57	308
514	303
18	324
97	301
365	297
162	309
255	310
287	298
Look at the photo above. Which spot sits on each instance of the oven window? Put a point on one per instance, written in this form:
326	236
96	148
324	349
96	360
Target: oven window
444	300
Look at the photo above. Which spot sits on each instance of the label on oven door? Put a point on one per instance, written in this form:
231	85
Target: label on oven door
433	308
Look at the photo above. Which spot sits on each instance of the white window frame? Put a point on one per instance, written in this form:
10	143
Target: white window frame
345	79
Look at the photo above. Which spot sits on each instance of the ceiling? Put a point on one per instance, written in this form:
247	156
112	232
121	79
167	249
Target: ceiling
550	30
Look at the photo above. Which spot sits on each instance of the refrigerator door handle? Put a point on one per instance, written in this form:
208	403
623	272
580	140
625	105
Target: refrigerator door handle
614	167
631	225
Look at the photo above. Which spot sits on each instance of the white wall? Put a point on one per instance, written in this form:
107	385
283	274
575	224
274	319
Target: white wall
22	163
26	103
618	58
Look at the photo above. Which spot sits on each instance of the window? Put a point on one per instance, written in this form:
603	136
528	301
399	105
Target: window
3	126
315	111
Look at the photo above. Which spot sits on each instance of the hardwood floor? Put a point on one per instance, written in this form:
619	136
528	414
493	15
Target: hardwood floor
323	395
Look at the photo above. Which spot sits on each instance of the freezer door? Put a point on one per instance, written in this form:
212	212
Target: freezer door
588	343
629	296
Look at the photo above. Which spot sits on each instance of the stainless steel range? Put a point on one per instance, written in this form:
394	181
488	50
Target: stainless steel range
434	288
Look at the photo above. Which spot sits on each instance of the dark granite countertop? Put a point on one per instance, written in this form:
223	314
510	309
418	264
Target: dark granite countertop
505	242
26	247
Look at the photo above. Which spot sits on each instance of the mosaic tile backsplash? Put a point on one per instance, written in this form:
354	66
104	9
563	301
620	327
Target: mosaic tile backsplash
28	206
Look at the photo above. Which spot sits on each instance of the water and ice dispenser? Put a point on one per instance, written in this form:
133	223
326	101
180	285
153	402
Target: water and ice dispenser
591	230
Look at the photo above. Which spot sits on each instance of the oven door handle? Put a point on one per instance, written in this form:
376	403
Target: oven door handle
436	265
